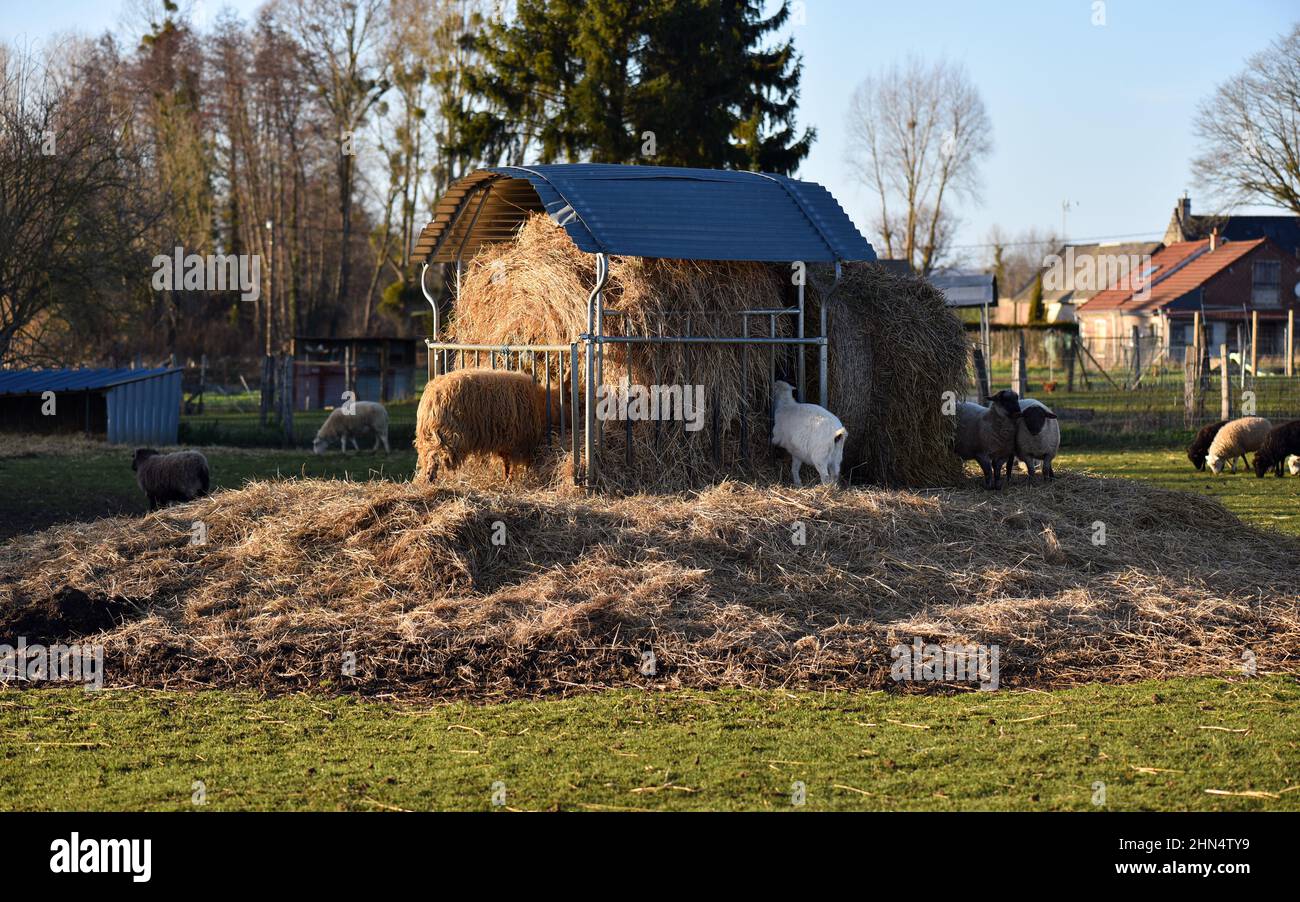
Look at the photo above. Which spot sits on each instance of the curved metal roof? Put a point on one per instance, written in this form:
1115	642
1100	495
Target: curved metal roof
647	211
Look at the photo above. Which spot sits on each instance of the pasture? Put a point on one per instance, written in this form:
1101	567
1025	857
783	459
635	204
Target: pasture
682	738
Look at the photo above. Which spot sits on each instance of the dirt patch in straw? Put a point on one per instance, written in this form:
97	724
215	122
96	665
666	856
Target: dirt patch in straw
299	574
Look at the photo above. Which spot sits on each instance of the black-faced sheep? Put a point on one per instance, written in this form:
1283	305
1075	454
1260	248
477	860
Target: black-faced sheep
179	476
1038	436
811	433
480	411
358	419
1277	446
1200	445
987	435
1236	439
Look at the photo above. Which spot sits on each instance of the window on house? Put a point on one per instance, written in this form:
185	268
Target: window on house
1266	283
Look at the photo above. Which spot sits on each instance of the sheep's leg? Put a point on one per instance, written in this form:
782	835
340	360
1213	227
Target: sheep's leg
1029	467
1047	468
987	468
505	462
387	450
795	464
825	474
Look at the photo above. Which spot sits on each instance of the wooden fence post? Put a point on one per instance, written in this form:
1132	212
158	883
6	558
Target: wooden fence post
1137	355
981	376
1019	376
1254	345
1070	354
1290	342
1225	385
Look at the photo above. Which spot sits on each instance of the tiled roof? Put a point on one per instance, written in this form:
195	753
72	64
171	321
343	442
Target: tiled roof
1178	269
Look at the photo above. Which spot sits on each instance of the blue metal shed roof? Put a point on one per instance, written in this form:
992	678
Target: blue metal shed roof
28	382
647	211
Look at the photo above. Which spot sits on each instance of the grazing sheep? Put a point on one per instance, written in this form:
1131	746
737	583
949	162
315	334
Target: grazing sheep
179	476
1292	465
480	411
1200	445
1038	436
1236	439
811	433
1278	444
362	419
987	435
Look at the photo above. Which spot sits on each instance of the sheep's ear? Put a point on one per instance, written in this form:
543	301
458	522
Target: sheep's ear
1050	415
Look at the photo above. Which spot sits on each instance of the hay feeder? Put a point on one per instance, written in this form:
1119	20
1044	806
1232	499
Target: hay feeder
695	273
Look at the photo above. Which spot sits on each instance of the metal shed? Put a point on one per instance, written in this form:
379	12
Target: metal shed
128	406
644	211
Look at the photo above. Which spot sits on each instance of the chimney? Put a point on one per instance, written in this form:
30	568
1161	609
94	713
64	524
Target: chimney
1184	208
1214	238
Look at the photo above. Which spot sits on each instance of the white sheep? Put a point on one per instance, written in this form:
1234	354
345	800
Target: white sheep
1293	465
1038	436
987	435
164	478
1236	439
812	434
359	418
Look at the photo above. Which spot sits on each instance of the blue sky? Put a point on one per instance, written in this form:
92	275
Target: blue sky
1100	116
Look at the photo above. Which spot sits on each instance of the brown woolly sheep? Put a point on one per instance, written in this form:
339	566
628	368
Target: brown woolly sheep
179	476
480	411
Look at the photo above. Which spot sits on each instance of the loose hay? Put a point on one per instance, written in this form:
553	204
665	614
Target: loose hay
297	573
894	349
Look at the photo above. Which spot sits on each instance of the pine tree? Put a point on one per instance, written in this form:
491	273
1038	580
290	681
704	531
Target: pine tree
586	79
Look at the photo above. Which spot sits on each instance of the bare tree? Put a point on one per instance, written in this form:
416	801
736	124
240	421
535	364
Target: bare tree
71	211
917	135
342	59
1250	131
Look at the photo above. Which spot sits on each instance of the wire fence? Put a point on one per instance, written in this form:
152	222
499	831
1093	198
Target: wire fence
1121	387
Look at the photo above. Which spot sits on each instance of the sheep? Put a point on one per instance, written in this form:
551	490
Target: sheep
1236	439
480	411
1292	465
811	433
350	421
164	478
1278	444
987	435
1200	445
1038	436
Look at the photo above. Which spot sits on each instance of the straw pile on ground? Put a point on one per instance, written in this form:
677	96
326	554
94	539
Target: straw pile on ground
895	349
298	574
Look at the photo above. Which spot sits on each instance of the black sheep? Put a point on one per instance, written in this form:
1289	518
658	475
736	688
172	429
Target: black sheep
1280	442
1200	445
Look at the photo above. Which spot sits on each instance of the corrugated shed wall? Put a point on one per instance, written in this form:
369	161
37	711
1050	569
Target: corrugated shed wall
145	412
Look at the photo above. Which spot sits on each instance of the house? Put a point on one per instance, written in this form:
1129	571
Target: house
1284	231
1070	277
1227	282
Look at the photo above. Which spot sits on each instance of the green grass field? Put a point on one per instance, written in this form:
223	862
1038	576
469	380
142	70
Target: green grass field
1153	745
1191	744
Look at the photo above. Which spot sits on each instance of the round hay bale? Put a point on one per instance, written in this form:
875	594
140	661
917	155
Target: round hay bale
895	348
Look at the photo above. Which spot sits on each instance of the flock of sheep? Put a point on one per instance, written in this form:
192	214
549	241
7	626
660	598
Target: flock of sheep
1221	443
504	413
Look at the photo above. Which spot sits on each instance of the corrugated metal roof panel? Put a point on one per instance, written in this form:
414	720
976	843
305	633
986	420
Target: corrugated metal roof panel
28	382
648	211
